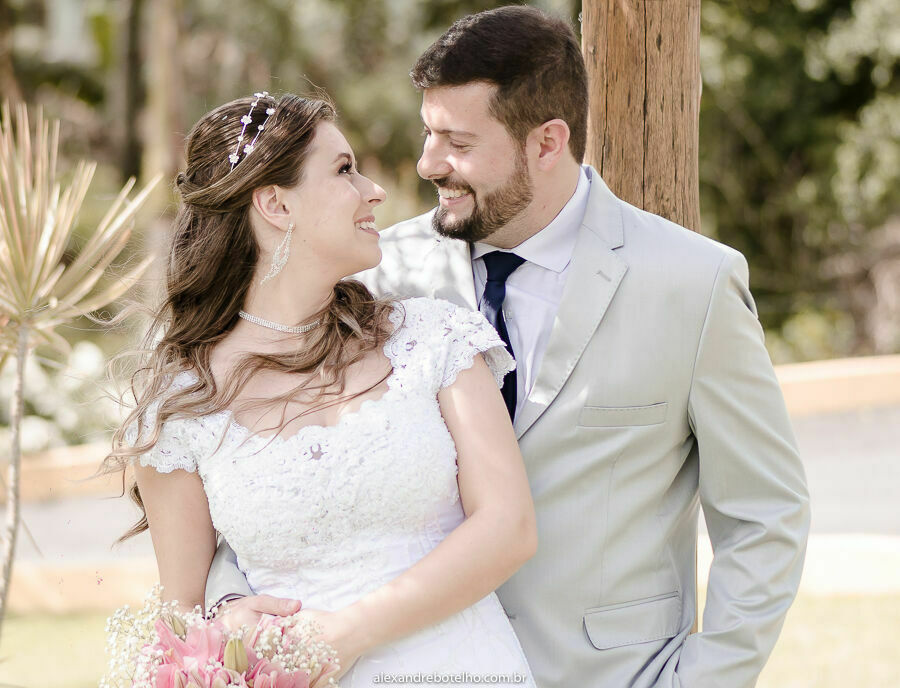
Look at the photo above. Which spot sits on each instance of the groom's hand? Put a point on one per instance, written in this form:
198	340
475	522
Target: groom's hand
247	611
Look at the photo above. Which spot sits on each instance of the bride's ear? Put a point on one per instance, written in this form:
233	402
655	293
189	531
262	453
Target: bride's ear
269	203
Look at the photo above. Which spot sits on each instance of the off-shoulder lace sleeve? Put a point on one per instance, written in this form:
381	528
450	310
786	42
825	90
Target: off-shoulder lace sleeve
180	440
461	334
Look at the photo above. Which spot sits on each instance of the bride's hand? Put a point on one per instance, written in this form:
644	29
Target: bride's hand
247	611
341	633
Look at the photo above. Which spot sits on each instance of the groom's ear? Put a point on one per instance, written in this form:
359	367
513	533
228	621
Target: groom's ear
552	139
269	202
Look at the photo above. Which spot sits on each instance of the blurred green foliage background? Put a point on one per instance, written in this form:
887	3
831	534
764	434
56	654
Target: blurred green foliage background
799	132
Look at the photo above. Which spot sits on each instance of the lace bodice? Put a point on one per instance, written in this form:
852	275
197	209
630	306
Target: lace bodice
331	512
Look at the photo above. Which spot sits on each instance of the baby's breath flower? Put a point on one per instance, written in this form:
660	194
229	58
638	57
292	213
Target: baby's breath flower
136	652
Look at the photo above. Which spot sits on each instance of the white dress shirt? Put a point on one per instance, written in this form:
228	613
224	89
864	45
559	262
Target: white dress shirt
534	291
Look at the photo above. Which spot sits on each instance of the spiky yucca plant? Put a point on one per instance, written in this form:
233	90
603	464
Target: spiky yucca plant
41	287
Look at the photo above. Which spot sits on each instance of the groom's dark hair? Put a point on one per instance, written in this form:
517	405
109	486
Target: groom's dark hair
533	58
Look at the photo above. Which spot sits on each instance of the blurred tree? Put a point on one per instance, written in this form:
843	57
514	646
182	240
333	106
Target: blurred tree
9	86
798	125
133	88
41	287
799	152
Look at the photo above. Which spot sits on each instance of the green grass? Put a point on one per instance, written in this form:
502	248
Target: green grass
827	642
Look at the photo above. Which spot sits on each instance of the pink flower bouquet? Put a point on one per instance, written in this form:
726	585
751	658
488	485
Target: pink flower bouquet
160	647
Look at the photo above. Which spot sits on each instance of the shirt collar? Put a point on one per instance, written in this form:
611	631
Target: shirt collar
552	247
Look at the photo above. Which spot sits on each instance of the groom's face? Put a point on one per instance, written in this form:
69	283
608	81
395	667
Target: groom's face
480	172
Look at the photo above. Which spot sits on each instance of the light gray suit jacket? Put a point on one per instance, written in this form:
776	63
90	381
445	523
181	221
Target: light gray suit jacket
655	395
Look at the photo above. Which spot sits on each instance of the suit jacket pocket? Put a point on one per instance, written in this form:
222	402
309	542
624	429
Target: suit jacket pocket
638	621
610	416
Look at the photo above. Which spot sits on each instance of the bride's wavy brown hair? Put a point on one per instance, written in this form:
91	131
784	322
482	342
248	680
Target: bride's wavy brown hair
211	260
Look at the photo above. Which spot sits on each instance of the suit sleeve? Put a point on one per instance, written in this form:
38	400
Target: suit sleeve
752	488
225	579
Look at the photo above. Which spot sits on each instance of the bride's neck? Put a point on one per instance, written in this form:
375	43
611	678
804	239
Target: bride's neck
289	298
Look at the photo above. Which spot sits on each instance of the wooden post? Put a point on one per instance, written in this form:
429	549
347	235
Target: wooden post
643	63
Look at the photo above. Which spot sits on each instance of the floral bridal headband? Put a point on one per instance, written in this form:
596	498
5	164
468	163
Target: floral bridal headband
246	120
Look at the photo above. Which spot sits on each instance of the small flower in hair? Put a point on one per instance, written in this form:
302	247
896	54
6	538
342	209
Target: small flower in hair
245	121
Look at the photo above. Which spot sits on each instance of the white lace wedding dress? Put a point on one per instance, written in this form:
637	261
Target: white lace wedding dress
330	513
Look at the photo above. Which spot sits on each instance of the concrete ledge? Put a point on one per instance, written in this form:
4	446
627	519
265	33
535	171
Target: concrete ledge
41	587
65	472
836	564
840	385
809	389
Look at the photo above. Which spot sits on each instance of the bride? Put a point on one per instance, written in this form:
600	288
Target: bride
355	452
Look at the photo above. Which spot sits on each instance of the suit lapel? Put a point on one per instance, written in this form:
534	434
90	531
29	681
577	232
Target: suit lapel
594	276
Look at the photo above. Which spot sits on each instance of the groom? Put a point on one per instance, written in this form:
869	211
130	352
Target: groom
643	387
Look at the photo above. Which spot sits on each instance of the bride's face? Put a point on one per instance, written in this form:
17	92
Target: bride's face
332	208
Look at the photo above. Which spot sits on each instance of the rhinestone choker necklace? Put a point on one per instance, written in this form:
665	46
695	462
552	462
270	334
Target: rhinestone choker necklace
291	329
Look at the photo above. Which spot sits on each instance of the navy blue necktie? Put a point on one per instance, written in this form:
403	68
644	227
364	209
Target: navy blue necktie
500	266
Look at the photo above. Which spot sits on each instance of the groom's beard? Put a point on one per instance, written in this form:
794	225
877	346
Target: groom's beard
490	213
